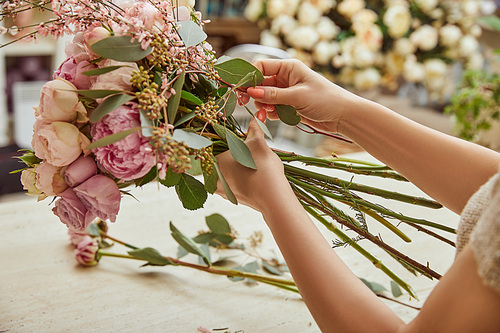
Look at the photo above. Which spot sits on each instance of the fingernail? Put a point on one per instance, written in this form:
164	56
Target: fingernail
255	92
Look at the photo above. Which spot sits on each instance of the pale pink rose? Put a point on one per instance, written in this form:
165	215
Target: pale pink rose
72	212
73	67
59	143
76	237
95	35
182	14
118	79
101	196
86	251
80	170
50	179
59	102
28	179
76	46
127	159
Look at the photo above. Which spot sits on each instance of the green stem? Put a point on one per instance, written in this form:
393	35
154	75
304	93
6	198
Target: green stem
105	235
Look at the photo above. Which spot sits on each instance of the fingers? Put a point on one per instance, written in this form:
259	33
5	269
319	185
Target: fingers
254	131
270	95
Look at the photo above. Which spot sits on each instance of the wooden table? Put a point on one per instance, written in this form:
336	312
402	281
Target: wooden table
43	289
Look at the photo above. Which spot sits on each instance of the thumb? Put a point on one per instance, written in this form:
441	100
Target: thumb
270	94
254	130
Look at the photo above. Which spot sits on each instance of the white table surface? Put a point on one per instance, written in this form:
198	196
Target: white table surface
43	289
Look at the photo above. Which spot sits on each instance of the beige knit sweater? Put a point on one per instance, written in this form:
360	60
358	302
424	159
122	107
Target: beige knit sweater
480	225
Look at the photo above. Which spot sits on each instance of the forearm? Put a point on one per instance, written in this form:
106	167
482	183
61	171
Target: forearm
333	294
447	168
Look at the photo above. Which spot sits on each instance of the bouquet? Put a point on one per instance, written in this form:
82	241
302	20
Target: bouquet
142	98
372	43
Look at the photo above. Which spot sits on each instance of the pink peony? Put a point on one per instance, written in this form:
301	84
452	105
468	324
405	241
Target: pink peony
59	143
73	67
72	212
59	102
127	159
86	251
50	179
101	196
80	170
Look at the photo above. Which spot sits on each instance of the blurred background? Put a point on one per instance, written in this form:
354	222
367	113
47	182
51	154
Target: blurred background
434	61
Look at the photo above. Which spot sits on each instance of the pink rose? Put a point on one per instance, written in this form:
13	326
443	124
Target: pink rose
127	159
72	212
86	251
101	196
50	179
59	143
73	67
28	179
93	36
58	102
80	170
119	79
76	237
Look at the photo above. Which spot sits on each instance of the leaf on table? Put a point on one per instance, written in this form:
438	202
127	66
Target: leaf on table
188	244
395	289
120	48
152	256
218	224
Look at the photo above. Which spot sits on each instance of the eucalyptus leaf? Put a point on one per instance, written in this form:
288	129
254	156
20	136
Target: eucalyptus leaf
210	181
251	267
218	224
271	269
181	252
206	249
185	95
191	192
146	124
120	48
188	244
149	177
102	70
222	59
109	104
171	178
98	93
234	70
264	128
374	286
195	169
185	118
191	33
220	130
287	114
174	100
191	139
152	256
229	104
107	140
239	150
229	194
395	289
93	230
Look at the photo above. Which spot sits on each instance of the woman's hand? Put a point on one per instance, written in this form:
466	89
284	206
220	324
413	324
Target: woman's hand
254	188
319	102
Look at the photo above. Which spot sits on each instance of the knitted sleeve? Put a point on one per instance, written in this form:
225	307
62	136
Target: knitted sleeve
485	240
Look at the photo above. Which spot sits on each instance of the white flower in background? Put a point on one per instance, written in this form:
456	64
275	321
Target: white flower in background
413	71
426	5
436	71
303	56
253	10
450	35
425	37
283	24
398	20
404	46
348	8
362	56
488	7
303	37
276	8
327	29
364	16
268	39
324	51
394	63
471	8
291	7
308	14
467	46
437	13
370	35
346	75
367	79
475	62
324	5
475	31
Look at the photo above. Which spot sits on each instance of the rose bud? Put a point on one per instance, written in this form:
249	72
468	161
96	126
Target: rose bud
86	251
80	170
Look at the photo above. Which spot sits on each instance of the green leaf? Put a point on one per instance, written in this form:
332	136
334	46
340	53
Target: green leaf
191	139
220	130
185	118
107	140
264	128
185	95
191	33
191	192
152	256
120	48
229	104
271	269
239	150
109	104
491	21
374	286
251	267
29	158
93	230
229	194
149	177
102	70
195	169
181	252
287	114
188	244
234	70
210	181
171	178
174	100
98	93
395	289
146	124
218	224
